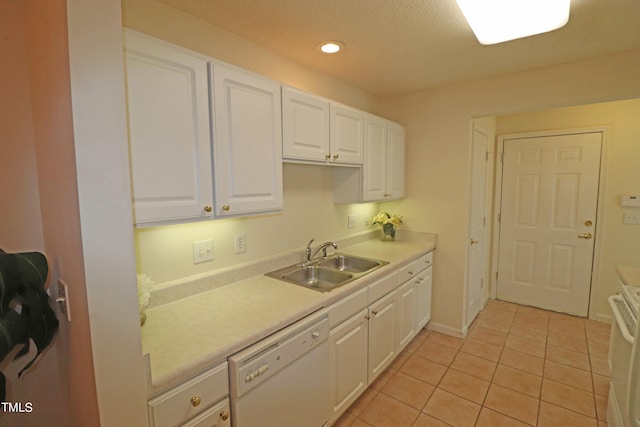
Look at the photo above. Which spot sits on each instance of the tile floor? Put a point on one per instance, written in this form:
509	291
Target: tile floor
518	366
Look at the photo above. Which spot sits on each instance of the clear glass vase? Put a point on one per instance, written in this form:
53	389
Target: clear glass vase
388	232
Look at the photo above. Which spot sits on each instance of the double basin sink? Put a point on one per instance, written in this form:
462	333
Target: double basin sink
328	273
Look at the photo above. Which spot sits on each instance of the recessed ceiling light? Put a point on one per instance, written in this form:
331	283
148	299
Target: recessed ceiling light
497	21
331	47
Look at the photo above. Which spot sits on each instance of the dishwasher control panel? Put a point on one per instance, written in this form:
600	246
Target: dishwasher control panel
254	365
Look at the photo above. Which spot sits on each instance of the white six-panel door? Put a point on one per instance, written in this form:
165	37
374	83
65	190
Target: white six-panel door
549	202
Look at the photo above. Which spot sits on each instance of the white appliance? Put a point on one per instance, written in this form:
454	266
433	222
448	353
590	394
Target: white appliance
624	352
283	380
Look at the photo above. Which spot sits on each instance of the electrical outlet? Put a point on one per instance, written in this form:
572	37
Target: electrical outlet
63	299
631	217
240	243
202	251
351	220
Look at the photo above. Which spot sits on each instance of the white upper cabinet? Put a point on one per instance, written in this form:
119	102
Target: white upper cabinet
395	161
347	134
305	123
247	143
169	132
318	130
381	177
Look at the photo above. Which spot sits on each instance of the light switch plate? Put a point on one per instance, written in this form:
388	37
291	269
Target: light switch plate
351	221
240	243
202	251
631	217
63	299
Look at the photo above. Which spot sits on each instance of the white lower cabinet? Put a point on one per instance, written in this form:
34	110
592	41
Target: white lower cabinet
382	334
196	402
407	301
423	297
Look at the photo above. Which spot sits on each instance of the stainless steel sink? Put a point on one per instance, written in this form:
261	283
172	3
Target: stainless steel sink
350	263
326	274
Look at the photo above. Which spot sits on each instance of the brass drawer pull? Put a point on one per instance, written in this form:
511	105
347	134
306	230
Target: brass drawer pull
196	401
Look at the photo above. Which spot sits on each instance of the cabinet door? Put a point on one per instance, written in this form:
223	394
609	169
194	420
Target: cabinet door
407	320
374	168
347	134
305	126
423	296
169	133
382	334
395	161
248	142
347	362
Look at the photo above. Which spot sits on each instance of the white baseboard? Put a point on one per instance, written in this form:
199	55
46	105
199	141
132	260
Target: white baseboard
447	330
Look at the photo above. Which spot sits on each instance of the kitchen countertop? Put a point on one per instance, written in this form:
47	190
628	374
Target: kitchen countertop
189	335
629	275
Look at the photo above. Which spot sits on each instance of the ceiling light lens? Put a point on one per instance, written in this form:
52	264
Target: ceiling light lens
331	47
496	21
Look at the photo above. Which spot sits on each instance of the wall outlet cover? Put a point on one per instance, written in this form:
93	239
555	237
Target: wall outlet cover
202	251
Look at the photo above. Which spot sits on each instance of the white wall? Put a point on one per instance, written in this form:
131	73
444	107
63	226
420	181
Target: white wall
438	123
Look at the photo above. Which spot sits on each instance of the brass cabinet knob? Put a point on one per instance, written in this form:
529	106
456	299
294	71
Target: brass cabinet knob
226	208
375	313
335	156
195	401
327	156
208	209
224	415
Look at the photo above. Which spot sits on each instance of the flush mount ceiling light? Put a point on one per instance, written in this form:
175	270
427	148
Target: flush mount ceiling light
497	21
331	47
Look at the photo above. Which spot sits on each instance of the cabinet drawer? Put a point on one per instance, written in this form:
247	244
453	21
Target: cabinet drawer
190	398
218	416
425	261
382	287
344	309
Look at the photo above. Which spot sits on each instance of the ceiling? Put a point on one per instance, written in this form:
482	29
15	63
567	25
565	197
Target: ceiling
401	46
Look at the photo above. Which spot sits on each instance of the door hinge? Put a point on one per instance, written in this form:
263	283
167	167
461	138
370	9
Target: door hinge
486	156
496	275
484	221
502	157
499	216
481	283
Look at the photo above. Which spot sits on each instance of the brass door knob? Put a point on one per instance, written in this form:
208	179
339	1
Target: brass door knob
195	401
585	236
224	415
208	209
226	208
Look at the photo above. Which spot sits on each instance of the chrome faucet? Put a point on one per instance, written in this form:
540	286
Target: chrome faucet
323	247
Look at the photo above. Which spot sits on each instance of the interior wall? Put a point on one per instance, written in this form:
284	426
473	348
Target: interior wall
20	215
620	243
438	149
165	253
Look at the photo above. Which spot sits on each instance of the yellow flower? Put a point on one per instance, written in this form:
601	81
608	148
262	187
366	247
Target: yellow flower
385	218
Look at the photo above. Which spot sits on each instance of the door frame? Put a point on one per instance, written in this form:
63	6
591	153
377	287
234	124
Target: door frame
597	250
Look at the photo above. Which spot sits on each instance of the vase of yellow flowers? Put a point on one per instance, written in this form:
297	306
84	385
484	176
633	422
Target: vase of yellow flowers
388	223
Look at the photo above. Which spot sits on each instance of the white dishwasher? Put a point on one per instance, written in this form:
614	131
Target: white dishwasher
283	380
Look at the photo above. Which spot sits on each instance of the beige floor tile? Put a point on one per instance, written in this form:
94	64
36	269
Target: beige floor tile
568	397
473	365
597	337
424	369
599	366
526	362
529	333
526	345
362	402
425	420
382	379
492	324
600	385
566	329
490	336
409	390
531	321
452	409
513	404
446	340
497	315
602	423
482	349
359	423
567	357
567	319
414	344
464	385
385	411
503	305
596	326
518	380
598	350
399	361
602	403
532	311
489	418
345	420
567	342
436	352
554	416
568	375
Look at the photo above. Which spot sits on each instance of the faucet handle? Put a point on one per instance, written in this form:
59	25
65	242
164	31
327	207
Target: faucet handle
310	242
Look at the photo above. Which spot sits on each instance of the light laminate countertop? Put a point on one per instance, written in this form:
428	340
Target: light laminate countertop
629	275
188	336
